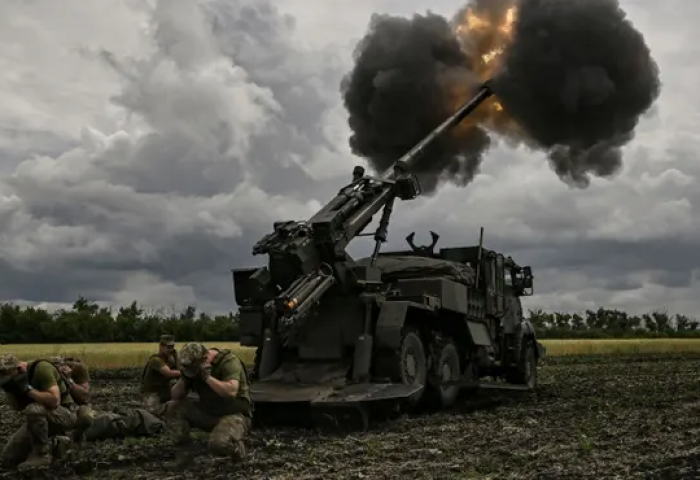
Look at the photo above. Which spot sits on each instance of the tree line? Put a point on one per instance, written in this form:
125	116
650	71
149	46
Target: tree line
87	322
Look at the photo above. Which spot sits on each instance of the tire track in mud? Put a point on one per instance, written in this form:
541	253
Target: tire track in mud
600	417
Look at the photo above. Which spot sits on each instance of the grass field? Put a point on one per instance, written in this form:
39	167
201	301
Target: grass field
117	355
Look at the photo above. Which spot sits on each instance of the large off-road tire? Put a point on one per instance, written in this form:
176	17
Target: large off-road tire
413	364
446	367
525	372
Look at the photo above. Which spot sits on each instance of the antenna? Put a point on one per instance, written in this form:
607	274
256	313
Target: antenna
479	255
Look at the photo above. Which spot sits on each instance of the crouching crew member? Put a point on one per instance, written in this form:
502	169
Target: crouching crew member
223	408
42	395
157	376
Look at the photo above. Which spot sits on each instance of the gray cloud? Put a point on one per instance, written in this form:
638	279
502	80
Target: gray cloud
212	149
145	146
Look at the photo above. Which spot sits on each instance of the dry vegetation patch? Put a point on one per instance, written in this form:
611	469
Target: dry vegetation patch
124	355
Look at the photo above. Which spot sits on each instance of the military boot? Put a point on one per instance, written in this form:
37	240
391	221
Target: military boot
39	457
238	452
178	430
85	417
61	444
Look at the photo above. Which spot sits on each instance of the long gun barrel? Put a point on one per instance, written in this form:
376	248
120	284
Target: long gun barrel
303	255
409	157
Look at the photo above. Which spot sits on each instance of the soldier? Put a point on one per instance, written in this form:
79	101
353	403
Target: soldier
38	391
91	425
223	408
160	369
127	422
77	375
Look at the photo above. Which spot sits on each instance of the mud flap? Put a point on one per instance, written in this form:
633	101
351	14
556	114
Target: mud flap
276	392
366	392
264	392
350	408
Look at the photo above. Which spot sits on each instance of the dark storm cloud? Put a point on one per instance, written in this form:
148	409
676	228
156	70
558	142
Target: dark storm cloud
55	285
673	256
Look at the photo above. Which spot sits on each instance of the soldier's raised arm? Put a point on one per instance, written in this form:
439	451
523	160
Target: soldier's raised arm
46	390
229	373
79	380
166	363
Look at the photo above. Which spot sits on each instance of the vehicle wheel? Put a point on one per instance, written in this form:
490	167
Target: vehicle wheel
446	368
525	373
413	364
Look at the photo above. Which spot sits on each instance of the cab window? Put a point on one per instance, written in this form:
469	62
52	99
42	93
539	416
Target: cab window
508	279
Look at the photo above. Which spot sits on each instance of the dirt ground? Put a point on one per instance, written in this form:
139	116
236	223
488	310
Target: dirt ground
593	418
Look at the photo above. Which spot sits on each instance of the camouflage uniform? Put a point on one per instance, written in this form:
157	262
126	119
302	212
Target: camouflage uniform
227	419
78	374
155	387
132	422
85	415
43	432
92	425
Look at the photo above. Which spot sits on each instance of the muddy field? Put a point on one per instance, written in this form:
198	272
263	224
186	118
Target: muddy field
625	417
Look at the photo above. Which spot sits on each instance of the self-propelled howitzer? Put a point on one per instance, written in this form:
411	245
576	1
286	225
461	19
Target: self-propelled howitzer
331	331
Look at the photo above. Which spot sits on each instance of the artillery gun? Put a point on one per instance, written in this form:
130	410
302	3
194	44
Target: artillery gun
408	327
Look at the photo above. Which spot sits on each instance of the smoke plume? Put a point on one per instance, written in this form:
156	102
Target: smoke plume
571	77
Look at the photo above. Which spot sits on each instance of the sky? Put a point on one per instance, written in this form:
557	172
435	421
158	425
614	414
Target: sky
146	145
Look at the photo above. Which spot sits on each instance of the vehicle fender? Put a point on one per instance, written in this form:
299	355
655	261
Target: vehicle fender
391	320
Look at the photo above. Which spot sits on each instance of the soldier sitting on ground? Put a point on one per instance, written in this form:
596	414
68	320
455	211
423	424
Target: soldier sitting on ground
102	425
76	373
223	408
40	392
156	378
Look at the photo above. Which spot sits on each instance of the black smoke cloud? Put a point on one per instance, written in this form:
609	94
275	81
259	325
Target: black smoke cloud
576	78
398	92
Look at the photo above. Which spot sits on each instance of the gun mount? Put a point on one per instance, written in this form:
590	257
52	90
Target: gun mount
331	331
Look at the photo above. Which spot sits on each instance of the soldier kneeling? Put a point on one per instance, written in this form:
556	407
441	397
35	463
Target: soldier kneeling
38	391
223	408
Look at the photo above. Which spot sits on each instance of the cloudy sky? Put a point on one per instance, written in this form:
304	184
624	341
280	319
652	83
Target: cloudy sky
146	145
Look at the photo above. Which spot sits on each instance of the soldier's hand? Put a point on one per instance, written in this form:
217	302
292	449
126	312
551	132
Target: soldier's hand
22	381
205	372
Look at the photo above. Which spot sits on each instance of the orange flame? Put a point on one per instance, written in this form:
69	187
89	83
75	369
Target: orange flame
484	36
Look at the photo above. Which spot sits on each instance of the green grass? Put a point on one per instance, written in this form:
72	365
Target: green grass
119	355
